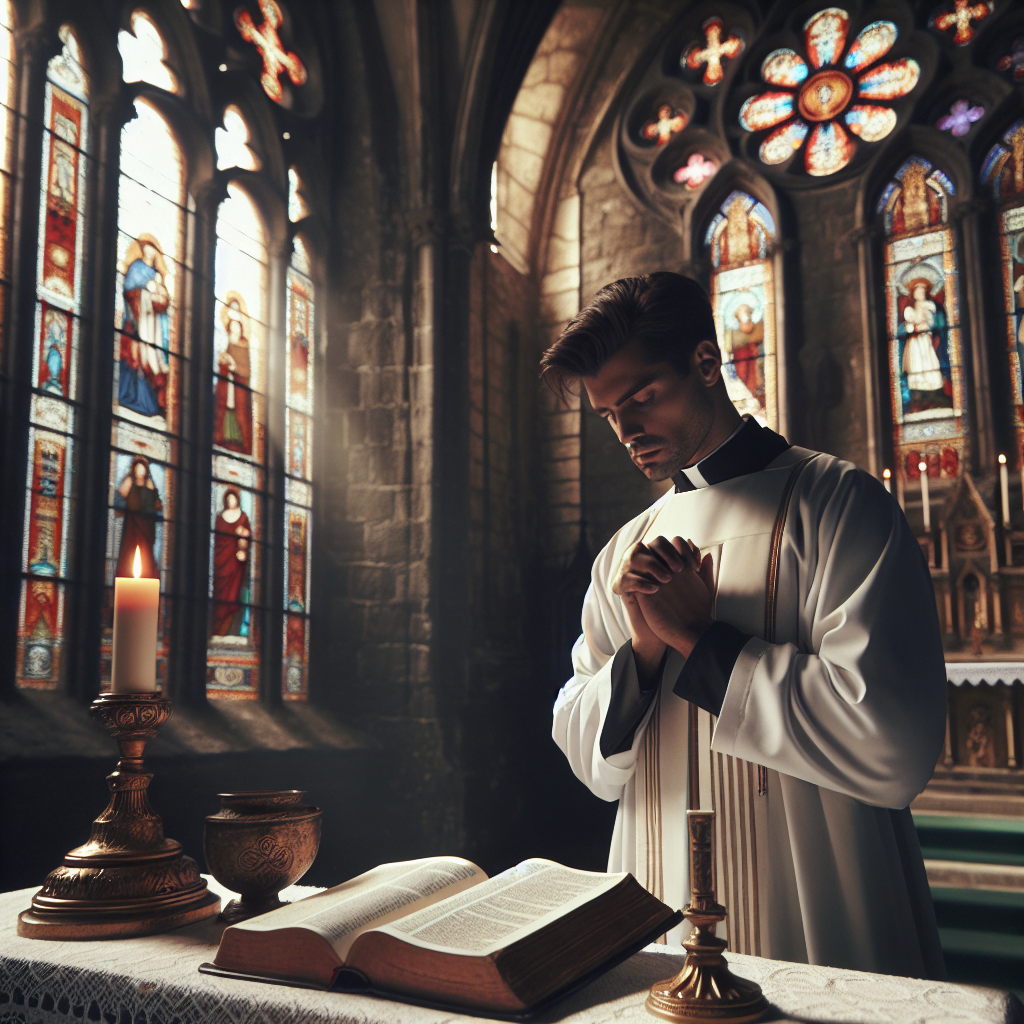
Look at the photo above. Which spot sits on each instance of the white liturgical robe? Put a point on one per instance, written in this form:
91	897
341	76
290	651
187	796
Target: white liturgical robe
836	686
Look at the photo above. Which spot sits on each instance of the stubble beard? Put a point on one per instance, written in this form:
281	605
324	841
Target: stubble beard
680	450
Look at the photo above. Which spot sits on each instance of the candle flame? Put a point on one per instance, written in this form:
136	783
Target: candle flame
922	465
1002	460
137	564
886	474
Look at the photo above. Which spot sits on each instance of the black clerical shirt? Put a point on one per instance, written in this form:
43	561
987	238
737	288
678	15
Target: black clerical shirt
704	677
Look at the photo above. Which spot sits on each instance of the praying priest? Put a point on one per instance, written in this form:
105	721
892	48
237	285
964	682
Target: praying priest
763	640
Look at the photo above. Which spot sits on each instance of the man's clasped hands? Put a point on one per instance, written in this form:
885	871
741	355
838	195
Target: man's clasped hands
666	588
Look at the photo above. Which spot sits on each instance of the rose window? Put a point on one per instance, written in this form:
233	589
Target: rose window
817	100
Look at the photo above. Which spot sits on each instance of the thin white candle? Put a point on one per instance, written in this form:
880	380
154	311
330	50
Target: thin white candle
887	479
1004	488
925	500
136	608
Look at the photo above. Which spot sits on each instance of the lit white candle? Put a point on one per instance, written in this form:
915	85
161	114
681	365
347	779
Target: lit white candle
925	501
136	607
1004	488
887	479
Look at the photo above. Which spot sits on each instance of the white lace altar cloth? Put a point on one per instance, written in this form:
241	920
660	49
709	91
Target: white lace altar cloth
154	980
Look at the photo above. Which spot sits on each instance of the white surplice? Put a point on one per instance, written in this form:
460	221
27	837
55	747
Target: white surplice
846	709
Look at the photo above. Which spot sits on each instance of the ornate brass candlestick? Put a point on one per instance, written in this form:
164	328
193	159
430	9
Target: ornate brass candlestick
705	989
127	879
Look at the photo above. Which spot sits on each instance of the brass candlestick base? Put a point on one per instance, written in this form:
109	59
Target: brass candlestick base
705	989
127	879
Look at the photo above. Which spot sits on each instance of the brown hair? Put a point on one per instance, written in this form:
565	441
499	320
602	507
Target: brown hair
670	314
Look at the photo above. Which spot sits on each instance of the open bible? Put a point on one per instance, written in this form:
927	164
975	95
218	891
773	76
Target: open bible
438	931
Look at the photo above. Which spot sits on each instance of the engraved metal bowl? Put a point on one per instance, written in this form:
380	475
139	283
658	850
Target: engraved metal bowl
259	843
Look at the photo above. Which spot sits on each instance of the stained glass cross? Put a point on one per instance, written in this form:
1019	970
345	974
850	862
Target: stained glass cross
960	118
960	18
276	60
668	122
712	53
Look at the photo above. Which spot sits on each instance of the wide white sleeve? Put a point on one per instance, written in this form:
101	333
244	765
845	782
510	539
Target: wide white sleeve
858	705
601	660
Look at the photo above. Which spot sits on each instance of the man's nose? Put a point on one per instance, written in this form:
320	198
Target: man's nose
629	428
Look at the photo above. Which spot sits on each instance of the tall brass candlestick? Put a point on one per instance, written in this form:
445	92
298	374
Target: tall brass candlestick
127	879
705	989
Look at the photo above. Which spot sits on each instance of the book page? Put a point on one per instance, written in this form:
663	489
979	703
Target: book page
503	910
391	891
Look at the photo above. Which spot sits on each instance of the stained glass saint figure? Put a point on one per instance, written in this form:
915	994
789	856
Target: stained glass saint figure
233	531
145	330
926	381
138	503
232	397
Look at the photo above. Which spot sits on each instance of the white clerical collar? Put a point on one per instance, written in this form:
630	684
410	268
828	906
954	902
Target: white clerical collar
748	449
693	473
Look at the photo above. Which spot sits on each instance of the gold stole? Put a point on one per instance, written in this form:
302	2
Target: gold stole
736	789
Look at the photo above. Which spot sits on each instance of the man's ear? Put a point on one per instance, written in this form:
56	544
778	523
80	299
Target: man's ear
707	361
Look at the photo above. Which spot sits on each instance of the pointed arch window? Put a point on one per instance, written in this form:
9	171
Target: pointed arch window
239	458
299	472
232	143
144	54
57	331
1003	173
739	241
148	362
922	301
297	206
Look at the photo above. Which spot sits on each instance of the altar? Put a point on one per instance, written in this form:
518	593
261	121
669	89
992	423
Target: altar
154	980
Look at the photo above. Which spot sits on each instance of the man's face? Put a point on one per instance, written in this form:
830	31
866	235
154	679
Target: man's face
661	417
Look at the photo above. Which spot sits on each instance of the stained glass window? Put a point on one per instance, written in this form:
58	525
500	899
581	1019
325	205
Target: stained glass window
277	61
739	238
148	358
1003	172
297	208
927	379
812	97
232	143
239	476
8	106
55	368
299	473
144	54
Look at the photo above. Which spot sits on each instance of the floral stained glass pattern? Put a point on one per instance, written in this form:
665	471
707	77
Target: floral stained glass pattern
239	388
697	169
960	118
962	19
148	363
52	427
814	105
669	122
1014	60
825	36
713	52
784	67
923	316
299	474
873	41
743	297
277	61
1003	173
